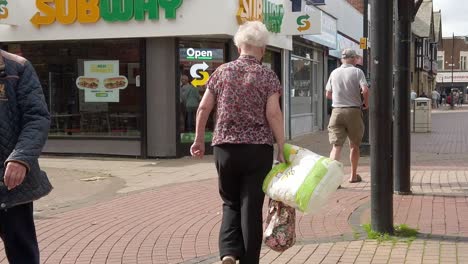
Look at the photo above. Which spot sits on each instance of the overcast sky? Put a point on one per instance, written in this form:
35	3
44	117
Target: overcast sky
454	16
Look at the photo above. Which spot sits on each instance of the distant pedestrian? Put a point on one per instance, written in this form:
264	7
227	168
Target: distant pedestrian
345	86
443	98
24	129
249	119
423	94
413	97
455	98
435	99
191	100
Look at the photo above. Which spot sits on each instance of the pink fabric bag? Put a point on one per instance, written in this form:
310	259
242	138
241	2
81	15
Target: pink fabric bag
280	232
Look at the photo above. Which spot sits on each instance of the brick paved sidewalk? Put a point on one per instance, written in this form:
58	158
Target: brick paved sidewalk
179	223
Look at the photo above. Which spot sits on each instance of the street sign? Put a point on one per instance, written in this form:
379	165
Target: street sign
363	43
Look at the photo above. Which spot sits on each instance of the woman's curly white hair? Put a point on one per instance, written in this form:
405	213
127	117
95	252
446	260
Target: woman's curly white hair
252	33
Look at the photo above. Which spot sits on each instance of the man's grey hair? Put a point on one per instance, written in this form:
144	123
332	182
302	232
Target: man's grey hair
252	33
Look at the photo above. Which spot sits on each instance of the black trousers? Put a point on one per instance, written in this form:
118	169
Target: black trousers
18	233
241	170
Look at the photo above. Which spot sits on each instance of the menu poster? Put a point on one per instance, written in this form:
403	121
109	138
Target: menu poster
102	81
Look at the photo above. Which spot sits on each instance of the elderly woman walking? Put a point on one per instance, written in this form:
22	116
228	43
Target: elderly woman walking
249	119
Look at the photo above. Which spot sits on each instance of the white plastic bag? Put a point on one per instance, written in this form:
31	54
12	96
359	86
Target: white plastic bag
306	181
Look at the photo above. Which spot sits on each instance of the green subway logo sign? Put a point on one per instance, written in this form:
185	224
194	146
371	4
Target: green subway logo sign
261	10
3	9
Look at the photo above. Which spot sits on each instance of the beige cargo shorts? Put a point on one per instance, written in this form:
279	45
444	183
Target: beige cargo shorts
346	123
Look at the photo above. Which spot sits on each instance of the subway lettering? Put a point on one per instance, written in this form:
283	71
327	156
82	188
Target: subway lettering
269	13
90	11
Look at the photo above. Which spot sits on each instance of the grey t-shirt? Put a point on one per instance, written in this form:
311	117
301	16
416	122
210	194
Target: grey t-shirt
345	84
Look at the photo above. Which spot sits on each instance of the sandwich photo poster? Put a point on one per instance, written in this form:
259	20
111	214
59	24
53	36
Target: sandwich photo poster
101	81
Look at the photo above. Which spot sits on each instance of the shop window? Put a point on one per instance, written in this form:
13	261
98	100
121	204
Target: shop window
440	62
92	88
463	63
272	59
301	86
197	61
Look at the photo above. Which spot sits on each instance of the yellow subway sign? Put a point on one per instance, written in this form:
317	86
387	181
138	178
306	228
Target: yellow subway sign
90	11
269	13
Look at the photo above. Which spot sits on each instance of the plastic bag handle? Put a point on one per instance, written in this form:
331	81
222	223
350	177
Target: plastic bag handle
280	205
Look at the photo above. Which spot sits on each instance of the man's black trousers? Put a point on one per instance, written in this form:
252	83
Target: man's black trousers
18	233
241	170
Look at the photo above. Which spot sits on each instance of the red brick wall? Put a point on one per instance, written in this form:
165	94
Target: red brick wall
358	4
460	45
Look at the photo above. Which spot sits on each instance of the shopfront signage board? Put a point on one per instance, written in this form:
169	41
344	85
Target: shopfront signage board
192	18
197	54
7	12
90	11
199	74
101	81
344	42
3	9
302	23
266	11
458	77
329	31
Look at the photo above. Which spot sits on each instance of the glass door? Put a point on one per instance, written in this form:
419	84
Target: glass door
197	62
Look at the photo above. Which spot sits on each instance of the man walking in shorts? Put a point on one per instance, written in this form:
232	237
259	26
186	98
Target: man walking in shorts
345	87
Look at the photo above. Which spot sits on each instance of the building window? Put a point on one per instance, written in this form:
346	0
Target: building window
272	59
425	51
305	80
434	51
301	85
419	53
463	63
92	87
440	60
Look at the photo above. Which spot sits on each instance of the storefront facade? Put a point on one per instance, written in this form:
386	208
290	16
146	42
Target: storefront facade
308	75
306	88
348	30
458	81
114	77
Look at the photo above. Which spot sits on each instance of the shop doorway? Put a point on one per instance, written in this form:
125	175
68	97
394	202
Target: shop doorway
197	62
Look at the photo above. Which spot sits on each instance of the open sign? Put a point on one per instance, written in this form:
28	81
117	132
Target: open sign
193	54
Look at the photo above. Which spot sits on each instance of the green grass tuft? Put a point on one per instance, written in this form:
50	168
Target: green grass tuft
356	234
402	233
405	231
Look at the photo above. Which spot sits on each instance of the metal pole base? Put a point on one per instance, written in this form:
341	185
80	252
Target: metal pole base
364	149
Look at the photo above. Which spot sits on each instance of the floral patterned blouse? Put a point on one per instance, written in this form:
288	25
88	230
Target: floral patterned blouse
242	88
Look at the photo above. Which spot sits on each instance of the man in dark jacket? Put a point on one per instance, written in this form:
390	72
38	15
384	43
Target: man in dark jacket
24	125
